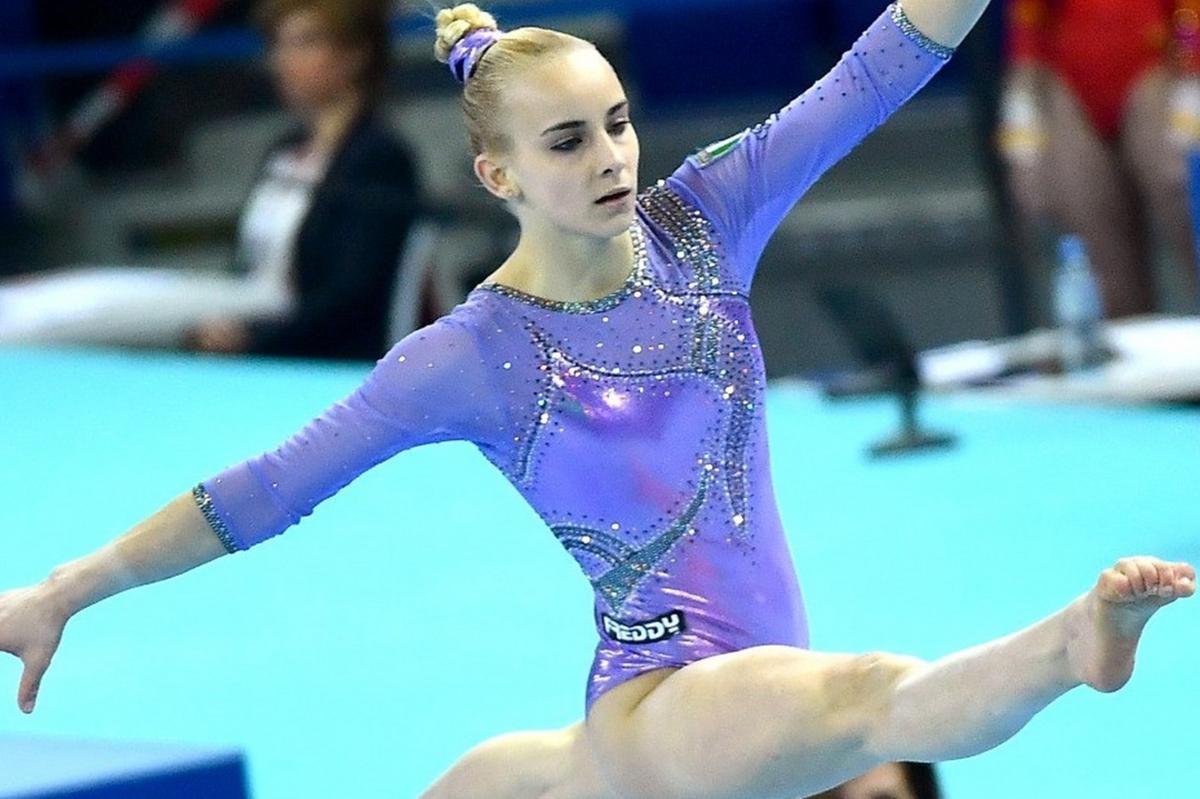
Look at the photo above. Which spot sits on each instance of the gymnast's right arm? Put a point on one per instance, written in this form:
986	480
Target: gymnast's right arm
172	541
428	388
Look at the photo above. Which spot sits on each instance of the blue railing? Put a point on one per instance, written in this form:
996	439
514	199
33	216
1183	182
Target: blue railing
241	44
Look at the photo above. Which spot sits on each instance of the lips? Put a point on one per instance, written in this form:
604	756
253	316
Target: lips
614	197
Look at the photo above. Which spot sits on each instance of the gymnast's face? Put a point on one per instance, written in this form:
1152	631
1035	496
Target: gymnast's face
573	155
312	69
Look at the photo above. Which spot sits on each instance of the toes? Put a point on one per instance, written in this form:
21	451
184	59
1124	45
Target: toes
1185	580
1149	571
1166	580
1145	576
1128	567
1115	585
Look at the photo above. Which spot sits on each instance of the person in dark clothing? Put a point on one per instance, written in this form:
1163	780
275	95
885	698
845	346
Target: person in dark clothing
351	185
321	231
343	260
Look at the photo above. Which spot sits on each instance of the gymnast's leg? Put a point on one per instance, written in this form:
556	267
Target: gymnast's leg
780	722
1092	196
777	722
556	764
1159	170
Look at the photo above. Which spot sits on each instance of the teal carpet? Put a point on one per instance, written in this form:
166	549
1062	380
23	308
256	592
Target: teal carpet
424	608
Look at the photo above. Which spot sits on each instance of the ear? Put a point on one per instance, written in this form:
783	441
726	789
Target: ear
495	178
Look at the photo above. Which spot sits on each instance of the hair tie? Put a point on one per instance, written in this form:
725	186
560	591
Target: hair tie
466	55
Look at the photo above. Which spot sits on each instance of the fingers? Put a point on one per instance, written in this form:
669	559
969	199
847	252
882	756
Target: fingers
36	664
30	629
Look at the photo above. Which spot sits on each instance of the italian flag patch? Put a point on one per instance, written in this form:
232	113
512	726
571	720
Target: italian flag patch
718	150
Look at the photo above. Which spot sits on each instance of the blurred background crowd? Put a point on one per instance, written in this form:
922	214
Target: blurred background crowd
290	177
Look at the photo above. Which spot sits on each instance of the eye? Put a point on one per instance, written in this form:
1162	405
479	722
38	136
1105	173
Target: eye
620	127
568	145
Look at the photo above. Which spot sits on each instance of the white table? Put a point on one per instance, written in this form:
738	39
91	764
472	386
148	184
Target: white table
1157	360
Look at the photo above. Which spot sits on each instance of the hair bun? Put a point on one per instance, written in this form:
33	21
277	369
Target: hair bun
453	24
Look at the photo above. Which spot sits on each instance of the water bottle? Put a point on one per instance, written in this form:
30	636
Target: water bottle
1077	306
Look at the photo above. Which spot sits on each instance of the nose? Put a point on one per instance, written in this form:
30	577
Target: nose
611	156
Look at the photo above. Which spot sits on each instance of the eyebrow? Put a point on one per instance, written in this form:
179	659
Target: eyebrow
577	123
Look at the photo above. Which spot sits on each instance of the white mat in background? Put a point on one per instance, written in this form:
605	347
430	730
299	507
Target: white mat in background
128	306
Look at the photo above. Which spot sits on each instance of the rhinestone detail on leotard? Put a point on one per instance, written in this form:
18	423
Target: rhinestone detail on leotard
910	30
638	277
629	566
694	244
205	504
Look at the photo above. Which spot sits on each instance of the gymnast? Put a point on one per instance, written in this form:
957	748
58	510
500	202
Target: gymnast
1101	108
610	370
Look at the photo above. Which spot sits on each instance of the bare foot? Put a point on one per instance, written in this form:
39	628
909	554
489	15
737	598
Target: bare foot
1106	624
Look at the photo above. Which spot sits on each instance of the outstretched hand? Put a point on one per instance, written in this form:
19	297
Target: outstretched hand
31	626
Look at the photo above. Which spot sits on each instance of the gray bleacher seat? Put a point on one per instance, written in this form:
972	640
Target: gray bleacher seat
415	268
433	127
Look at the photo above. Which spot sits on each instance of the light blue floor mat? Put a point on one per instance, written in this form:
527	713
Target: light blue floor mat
425	608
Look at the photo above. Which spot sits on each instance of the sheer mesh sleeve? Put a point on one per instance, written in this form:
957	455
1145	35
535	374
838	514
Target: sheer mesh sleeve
746	184
430	387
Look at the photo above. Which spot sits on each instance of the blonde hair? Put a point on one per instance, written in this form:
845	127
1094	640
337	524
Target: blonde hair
482	94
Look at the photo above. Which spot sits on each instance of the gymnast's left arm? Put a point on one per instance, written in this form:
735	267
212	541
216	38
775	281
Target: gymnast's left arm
747	184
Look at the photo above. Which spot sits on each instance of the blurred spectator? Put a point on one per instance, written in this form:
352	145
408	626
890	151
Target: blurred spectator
18	106
1102	102
890	781
320	235
340	194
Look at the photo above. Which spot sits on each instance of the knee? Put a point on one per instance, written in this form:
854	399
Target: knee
525	765
872	678
862	692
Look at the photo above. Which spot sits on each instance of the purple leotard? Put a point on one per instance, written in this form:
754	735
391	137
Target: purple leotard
632	424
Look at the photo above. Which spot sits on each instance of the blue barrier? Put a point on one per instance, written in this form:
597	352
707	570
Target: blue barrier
241	44
48	768
723	51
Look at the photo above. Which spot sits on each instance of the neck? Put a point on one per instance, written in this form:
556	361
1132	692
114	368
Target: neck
328	125
566	267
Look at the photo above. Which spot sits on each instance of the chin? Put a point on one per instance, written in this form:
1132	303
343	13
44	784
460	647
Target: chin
608	227
618	224
622	224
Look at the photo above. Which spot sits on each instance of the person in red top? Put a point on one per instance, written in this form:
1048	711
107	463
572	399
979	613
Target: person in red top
1102	100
